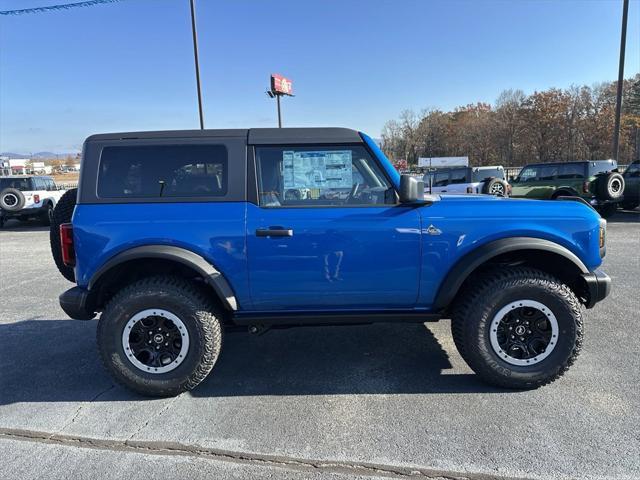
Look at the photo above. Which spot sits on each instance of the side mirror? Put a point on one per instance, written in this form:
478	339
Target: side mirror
411	189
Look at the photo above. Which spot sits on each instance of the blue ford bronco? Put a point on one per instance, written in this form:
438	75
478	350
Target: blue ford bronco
176	237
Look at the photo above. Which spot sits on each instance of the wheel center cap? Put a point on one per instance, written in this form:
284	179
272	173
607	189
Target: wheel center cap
520	330
158	338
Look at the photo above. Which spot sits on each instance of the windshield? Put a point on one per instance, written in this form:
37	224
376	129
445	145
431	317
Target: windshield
22	184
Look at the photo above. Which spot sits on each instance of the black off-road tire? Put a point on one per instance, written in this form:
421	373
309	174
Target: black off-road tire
480	301
610	186
62	213
184	299
47	216
18	198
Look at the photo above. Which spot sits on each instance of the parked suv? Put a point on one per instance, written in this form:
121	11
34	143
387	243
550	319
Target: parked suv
488	180
25	197
631	186
178	236
598	182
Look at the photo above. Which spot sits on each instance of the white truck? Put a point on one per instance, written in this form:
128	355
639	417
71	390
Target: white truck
487	180
27	196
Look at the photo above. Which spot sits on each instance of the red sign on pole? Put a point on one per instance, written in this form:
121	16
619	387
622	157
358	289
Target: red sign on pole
281	85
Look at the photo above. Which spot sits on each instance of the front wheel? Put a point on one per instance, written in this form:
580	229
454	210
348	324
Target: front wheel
47	216
518	328
160	336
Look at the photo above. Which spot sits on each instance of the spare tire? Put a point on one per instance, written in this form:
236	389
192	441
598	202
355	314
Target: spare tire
610	186
62	214
11	199
495	186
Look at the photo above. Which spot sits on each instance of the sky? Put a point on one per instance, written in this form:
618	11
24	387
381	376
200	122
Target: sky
128	66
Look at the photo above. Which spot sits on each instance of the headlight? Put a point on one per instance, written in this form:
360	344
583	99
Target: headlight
603	237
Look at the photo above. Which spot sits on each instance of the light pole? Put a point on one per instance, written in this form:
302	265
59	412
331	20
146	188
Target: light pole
197	62
623	41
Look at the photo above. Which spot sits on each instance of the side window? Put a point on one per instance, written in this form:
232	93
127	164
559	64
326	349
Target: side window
459	176
37	184
528	174
163	171
548	172
570	170
441	179
320	176
633	170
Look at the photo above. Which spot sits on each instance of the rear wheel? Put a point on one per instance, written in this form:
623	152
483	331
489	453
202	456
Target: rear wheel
160	336
518	328
62	214
610	186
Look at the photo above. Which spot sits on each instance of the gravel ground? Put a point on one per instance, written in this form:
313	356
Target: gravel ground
387	400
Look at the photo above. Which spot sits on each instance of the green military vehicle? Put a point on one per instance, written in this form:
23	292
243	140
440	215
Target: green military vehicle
598	182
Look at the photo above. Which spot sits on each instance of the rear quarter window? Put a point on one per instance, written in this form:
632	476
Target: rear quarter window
163	171
570	171
480	175
602	166
22	184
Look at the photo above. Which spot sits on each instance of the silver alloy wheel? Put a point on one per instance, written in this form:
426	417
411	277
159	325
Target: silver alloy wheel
512	331
14	199
155	341
497	189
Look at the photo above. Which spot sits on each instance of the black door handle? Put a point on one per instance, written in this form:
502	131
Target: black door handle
274	232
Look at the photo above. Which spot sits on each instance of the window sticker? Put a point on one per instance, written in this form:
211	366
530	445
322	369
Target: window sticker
318	169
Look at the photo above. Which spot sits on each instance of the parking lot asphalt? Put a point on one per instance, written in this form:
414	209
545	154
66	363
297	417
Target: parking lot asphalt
380	400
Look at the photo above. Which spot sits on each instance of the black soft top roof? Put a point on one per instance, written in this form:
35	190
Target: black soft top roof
572	162
254	136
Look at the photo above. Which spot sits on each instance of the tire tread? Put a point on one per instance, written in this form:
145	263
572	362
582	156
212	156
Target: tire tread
208	320
500	279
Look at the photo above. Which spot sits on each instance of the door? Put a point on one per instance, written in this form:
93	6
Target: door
327	232
535	181
440	182
458	181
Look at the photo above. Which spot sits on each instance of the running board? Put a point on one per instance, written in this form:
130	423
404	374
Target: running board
323	318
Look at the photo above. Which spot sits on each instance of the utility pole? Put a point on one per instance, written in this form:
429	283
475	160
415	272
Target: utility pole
623	41
197	62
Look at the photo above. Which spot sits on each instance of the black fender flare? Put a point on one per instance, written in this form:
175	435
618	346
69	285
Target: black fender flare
208	272
565	192
472	260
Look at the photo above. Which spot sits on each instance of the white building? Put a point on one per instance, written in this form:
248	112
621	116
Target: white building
39	168
19	166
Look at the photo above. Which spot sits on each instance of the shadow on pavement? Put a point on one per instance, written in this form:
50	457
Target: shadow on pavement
625	216
57	360
14	225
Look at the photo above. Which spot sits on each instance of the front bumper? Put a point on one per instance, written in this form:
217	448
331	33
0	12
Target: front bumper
598	286
77	303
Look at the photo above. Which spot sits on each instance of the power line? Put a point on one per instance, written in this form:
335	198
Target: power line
66	6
